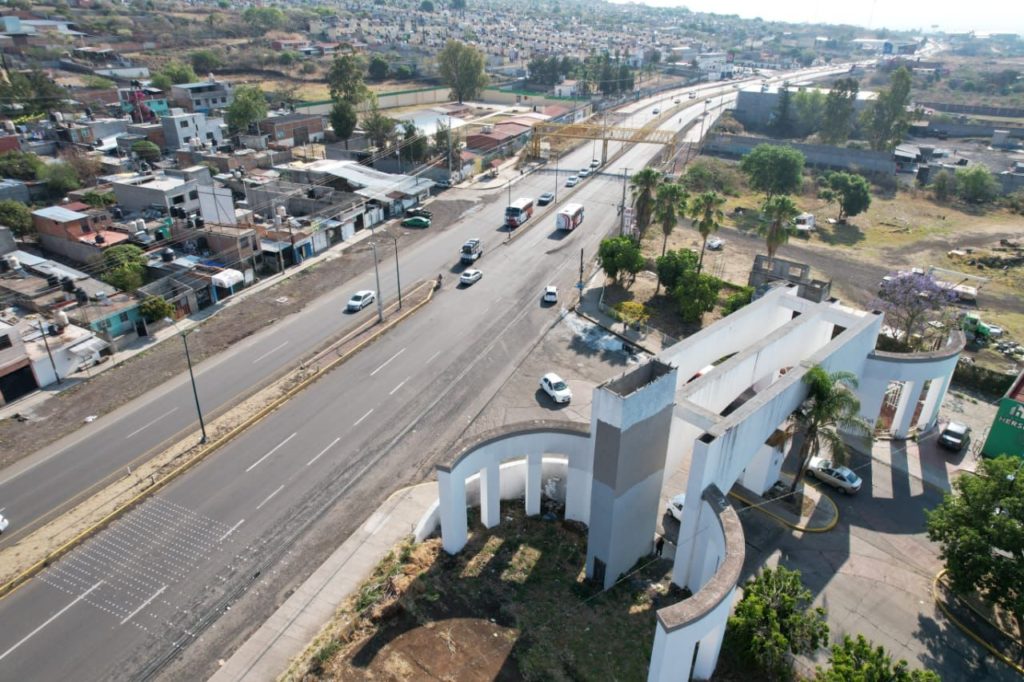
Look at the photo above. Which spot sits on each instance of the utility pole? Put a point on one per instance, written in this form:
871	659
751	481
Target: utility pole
579	286
48	353
449	147
195	393
376	274
622	206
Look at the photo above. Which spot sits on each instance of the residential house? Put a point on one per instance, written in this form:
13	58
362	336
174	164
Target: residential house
76	230
392	192
16	378
567	88
203	97
191	130
295	129
154	192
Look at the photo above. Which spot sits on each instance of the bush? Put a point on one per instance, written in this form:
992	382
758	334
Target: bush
16	216
976	185
60	178
20	165
146	150
711	175
154	308
308	68
696	294
736	301
991	383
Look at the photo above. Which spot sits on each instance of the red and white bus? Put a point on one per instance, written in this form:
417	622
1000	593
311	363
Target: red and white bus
518	212
569	217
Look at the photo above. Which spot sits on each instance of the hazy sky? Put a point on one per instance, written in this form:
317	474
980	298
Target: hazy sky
998	16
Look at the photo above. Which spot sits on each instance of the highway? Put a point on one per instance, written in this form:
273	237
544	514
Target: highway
127	602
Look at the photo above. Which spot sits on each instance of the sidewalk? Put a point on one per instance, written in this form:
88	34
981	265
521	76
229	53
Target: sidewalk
268	651
648	339
141	345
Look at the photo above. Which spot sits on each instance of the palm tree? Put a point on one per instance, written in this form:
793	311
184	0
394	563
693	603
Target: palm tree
644	183
669	206
779	210
830	406
706	214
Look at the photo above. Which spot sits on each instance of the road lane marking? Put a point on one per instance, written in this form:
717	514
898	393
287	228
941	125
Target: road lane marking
49	620
386	362
333	443
270	352
230	531
431	358
267	498
256	463
148	424
144	604
392	391
363	417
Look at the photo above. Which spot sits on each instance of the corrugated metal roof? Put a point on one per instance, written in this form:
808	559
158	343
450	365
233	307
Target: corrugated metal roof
59	214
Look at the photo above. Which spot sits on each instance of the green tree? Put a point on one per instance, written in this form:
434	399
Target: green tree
773	169
179	73
673	265
99	199
426	6
830	406
808	112
125	265
343	119
16	216
838	117
859	660
345	79
706	214
644	185
736	301
249	106
976	185
943	185
711	175
33	90
378	68
773	620
462	69
779	211
20	165
414	143
161	81
379	129
60	178
886	119
146	150
458	5
155	308
696	294
980	531
618	256
632	313
205	61
123	278
669	207
851	191
782	122
263	19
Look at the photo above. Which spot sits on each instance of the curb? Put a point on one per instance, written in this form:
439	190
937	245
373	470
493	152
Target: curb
20	579
966	630
804	529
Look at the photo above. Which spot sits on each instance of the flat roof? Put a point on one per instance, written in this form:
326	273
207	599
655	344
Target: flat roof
59	214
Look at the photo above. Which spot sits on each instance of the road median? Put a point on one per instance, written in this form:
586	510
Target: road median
24	559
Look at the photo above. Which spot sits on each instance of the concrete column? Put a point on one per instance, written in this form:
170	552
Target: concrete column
707	654
534	463
933	402
577	494
686	543
871	393
490	495
905	408
451	492
672	655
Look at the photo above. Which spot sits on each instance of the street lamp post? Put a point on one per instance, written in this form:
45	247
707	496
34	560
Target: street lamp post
398	274
195	393
376	274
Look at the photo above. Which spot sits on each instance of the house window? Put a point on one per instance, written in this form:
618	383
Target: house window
223	100
85	228
184	124
193	195
180	199
123	317
5	342
209	136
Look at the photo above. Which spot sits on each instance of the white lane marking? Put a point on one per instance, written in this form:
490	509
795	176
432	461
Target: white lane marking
363	417
148	424
333	443
50	620
386	362
144	604
230	531
432	357
267	498
392	390
256	463
270	352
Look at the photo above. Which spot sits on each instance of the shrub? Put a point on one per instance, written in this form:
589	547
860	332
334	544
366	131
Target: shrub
737	300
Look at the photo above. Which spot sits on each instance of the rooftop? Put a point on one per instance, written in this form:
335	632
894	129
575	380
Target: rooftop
59	214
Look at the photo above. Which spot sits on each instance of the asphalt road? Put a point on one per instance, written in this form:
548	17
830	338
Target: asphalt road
128	601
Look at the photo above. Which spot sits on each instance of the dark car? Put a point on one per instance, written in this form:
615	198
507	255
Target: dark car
955	436
545	199
418	213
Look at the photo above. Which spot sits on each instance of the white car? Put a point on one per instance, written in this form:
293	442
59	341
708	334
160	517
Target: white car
572	181
584	172
836	476
595	163
656	111
360	300
715	244
675	506
556	388
3	523
551	294
470	277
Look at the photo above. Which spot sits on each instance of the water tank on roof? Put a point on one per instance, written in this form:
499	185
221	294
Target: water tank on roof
52	281
200	221
487	128
9	126
62	318
100	239
140	225
80	296
13	263
167	255
117	213
68	285
282	212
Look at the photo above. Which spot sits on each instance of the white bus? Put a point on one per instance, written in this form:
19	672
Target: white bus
569	217
518	212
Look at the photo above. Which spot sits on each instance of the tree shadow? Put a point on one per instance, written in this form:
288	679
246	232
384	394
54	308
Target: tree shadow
840	234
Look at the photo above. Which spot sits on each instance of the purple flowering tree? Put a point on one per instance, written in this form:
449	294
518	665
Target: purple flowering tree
910	301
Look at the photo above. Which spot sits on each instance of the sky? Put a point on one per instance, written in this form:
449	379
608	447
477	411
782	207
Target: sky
996	16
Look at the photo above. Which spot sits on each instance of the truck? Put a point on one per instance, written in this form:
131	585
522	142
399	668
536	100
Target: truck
804	223
471	251
569	217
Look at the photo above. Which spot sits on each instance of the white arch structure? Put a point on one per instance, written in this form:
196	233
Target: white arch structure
770	344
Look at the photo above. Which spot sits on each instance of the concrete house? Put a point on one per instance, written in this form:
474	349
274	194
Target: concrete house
292	130
76	230
182	129
159	192
204	96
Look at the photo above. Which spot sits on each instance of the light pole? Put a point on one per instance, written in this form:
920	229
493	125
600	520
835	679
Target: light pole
398	275
556	177
195	393
376	274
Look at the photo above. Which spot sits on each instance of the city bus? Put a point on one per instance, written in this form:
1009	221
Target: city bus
569	217
518	212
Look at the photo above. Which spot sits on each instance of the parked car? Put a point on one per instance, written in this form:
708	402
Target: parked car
545	199
471	276
421	212
675	506
715	244
572	181
551	294
553	385
955	436
416	221
360	300
836	476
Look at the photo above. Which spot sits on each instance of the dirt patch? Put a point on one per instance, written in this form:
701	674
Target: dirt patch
512	605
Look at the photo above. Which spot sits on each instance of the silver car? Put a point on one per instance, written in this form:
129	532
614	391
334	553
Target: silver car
839	477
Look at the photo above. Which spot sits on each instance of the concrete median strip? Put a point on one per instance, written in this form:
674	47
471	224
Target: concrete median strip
38	550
